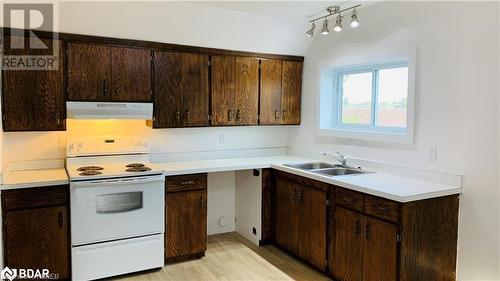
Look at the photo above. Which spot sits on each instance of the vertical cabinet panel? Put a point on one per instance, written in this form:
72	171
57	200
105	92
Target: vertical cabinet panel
186	229
291	95
247	91
168	90
379	250
89	72
287	219
181	90
312	230
194	73
33	100
235	90
347	262
223	90
38	238
270	92
131	73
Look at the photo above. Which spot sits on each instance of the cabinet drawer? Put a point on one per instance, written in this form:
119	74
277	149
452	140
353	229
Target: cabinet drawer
382	208
35	197
349	199
186	182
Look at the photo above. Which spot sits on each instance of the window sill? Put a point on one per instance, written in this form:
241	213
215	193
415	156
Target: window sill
366	135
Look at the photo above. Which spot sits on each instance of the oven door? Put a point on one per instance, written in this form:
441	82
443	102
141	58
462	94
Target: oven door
104	210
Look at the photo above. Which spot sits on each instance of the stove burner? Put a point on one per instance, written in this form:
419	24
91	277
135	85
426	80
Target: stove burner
138	169
135	165
89	168
90	173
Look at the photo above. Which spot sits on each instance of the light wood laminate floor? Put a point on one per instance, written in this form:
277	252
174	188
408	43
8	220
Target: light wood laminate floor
231	257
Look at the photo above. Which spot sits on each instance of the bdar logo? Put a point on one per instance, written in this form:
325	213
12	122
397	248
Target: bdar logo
8	273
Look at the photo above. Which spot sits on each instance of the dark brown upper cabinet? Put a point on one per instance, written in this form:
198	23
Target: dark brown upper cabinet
181	90
270	92
104	73
280	92
291	93
235	90
33	100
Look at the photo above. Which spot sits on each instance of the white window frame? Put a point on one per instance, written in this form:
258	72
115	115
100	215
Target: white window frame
329	103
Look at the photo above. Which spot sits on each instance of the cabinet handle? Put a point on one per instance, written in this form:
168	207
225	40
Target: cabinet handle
238	115
348	200
381	208
367	232
188	114
178	117
58	119
187	182
276	115
294	194
230	115
202	201
117	88
284	114
60	219
357	228
105	90
301	196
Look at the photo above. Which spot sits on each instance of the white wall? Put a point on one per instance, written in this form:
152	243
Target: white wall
221	202
457	105
249	205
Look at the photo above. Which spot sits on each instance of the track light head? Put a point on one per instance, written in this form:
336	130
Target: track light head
338	24
310	32
354	19
324	29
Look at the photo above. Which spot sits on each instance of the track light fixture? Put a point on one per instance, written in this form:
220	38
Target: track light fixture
324	29
310	32
354	19
334	10
338	24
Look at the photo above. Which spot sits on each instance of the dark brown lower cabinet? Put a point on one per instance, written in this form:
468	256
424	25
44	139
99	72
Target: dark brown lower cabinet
301	221
37	238
365	248
363	237
186	217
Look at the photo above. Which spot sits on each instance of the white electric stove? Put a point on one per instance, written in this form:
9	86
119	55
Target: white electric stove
117	207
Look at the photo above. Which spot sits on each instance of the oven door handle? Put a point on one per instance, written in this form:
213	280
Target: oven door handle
120	181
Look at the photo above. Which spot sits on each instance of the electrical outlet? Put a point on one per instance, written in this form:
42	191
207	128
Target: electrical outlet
221	139
432	154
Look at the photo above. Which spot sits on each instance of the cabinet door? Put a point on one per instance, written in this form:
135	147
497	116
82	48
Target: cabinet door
223	90
194	74
168	90
33	100
287	220
292	87
38	238
379	250
89	72
347	263
186	229
270	92
312	229
247	91
131	74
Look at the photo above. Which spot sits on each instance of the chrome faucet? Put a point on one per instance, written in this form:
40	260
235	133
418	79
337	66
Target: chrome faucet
339	157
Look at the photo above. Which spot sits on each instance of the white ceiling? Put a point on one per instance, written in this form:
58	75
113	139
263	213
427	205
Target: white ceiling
291	10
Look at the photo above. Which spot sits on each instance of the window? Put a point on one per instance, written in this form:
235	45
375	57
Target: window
370	101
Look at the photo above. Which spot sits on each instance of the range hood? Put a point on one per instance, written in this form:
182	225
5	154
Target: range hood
109	110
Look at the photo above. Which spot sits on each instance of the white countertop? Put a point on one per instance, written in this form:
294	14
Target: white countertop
35	178
384	185
388	186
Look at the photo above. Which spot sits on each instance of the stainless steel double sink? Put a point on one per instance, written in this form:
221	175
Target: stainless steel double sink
327	169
